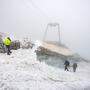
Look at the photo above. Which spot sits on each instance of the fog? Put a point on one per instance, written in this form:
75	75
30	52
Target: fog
21	18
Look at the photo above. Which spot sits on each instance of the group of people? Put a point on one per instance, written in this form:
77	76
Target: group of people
67	65
7	42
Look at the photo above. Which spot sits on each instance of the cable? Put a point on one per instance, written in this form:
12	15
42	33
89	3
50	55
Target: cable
39	9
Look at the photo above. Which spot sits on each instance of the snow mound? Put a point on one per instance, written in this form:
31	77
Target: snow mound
22	71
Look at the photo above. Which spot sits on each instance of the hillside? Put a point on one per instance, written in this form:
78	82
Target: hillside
22	71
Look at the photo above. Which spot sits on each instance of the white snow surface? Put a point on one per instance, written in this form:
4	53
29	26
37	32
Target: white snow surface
22	71
58	49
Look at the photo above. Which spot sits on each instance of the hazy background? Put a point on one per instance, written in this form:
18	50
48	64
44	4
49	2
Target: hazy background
21	18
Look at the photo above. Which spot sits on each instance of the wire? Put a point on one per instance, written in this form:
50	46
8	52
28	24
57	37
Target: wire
38	8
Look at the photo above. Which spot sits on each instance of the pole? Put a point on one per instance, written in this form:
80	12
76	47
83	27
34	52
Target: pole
45	33
59	33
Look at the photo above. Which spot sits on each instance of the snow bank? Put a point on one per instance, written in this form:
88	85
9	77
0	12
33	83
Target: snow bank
22	71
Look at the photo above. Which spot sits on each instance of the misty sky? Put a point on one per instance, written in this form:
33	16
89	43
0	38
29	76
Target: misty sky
21	18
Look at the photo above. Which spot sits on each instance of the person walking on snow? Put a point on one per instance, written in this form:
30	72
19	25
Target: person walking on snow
7	43
74	67
66	64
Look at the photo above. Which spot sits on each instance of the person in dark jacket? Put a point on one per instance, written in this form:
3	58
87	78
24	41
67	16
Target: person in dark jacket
74	67
7	43
66	64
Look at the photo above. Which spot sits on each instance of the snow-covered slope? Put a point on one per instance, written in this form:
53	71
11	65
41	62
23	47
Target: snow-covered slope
21	71
51	48
58	49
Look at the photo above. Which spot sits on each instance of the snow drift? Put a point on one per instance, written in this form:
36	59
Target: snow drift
22	71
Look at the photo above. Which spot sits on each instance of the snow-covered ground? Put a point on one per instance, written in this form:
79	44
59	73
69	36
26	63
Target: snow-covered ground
21	71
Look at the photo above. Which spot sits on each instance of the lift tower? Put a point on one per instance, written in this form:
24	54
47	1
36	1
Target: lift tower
51	25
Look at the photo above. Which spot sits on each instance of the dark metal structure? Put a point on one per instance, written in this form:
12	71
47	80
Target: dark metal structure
51	25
